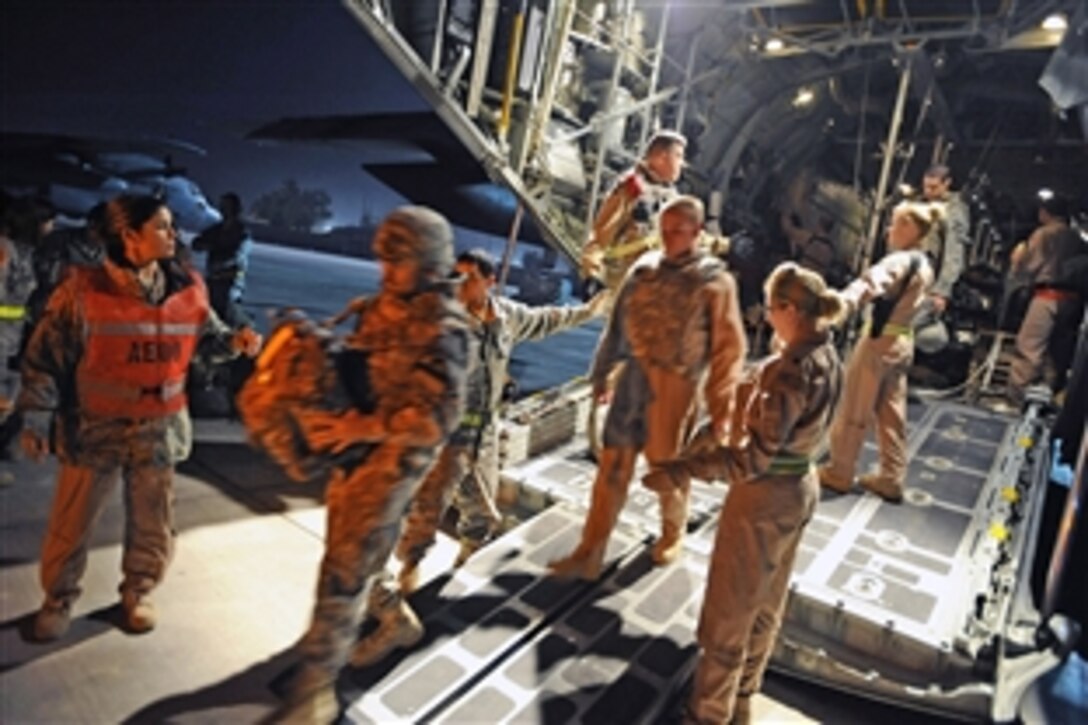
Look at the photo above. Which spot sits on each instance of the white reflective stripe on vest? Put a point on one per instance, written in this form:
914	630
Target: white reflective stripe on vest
143	328
121	391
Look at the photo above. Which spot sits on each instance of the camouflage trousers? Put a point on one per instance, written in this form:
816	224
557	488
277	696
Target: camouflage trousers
468	476
365	507
10	336
149	526
759	530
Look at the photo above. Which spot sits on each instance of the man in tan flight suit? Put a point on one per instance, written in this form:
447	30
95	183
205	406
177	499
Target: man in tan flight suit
675	325
626	225
1053	309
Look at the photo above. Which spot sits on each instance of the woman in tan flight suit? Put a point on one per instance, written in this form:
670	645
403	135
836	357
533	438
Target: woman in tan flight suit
876	373
783	408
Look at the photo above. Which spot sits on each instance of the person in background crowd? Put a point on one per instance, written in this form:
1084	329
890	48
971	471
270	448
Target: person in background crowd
23	222
1050	323
227	245
104	387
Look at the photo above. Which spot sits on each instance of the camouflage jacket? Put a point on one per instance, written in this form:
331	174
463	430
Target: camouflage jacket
513	322
947	244
17	281
682	315
418	351
49	397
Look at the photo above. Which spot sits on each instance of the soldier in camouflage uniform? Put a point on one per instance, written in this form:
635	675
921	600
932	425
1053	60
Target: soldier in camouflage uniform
783	407
675	324
626	224
19	229
104	378
419	347
468	468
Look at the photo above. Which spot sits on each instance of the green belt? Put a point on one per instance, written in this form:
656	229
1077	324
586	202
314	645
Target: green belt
890	330
12	313
473	419
787	465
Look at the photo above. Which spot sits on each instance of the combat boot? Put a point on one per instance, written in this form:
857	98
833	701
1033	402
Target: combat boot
669	545
408	577
830	482
468	548
398	628
319	707
742	711
310	700
140	614
52	620
881	486
674	519
582	563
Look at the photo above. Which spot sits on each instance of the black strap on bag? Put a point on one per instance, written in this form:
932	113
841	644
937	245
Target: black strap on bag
883	306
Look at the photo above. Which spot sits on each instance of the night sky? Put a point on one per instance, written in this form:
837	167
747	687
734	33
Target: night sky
206	72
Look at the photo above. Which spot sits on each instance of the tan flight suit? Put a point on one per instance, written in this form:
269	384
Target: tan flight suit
784	406
419	349
675	324
1049	248
625	226
876	375
96	451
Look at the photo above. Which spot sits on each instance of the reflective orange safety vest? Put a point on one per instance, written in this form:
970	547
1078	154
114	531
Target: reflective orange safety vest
136	354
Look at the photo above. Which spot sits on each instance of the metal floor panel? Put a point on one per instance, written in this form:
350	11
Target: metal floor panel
617	655
906	565
482	614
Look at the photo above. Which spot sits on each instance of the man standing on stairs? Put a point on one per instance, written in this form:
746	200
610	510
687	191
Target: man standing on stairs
468	467
676	323
625	226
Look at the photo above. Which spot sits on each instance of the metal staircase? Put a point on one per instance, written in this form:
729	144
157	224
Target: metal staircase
552	98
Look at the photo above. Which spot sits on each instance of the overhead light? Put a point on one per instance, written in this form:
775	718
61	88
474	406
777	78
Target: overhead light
804	97
774	45
1046	194
1055	22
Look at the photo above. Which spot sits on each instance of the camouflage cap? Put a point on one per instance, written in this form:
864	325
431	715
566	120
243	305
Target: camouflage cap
416	232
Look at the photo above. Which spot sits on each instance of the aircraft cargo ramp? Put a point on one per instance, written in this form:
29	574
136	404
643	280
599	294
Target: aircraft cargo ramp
919	603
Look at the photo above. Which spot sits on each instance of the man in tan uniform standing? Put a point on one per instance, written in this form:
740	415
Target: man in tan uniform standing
626	225
676	323
1038	263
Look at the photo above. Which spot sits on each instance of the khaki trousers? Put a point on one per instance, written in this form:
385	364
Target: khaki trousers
758	533
875	387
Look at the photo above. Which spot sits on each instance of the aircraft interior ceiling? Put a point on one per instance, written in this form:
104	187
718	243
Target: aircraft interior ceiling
824	100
